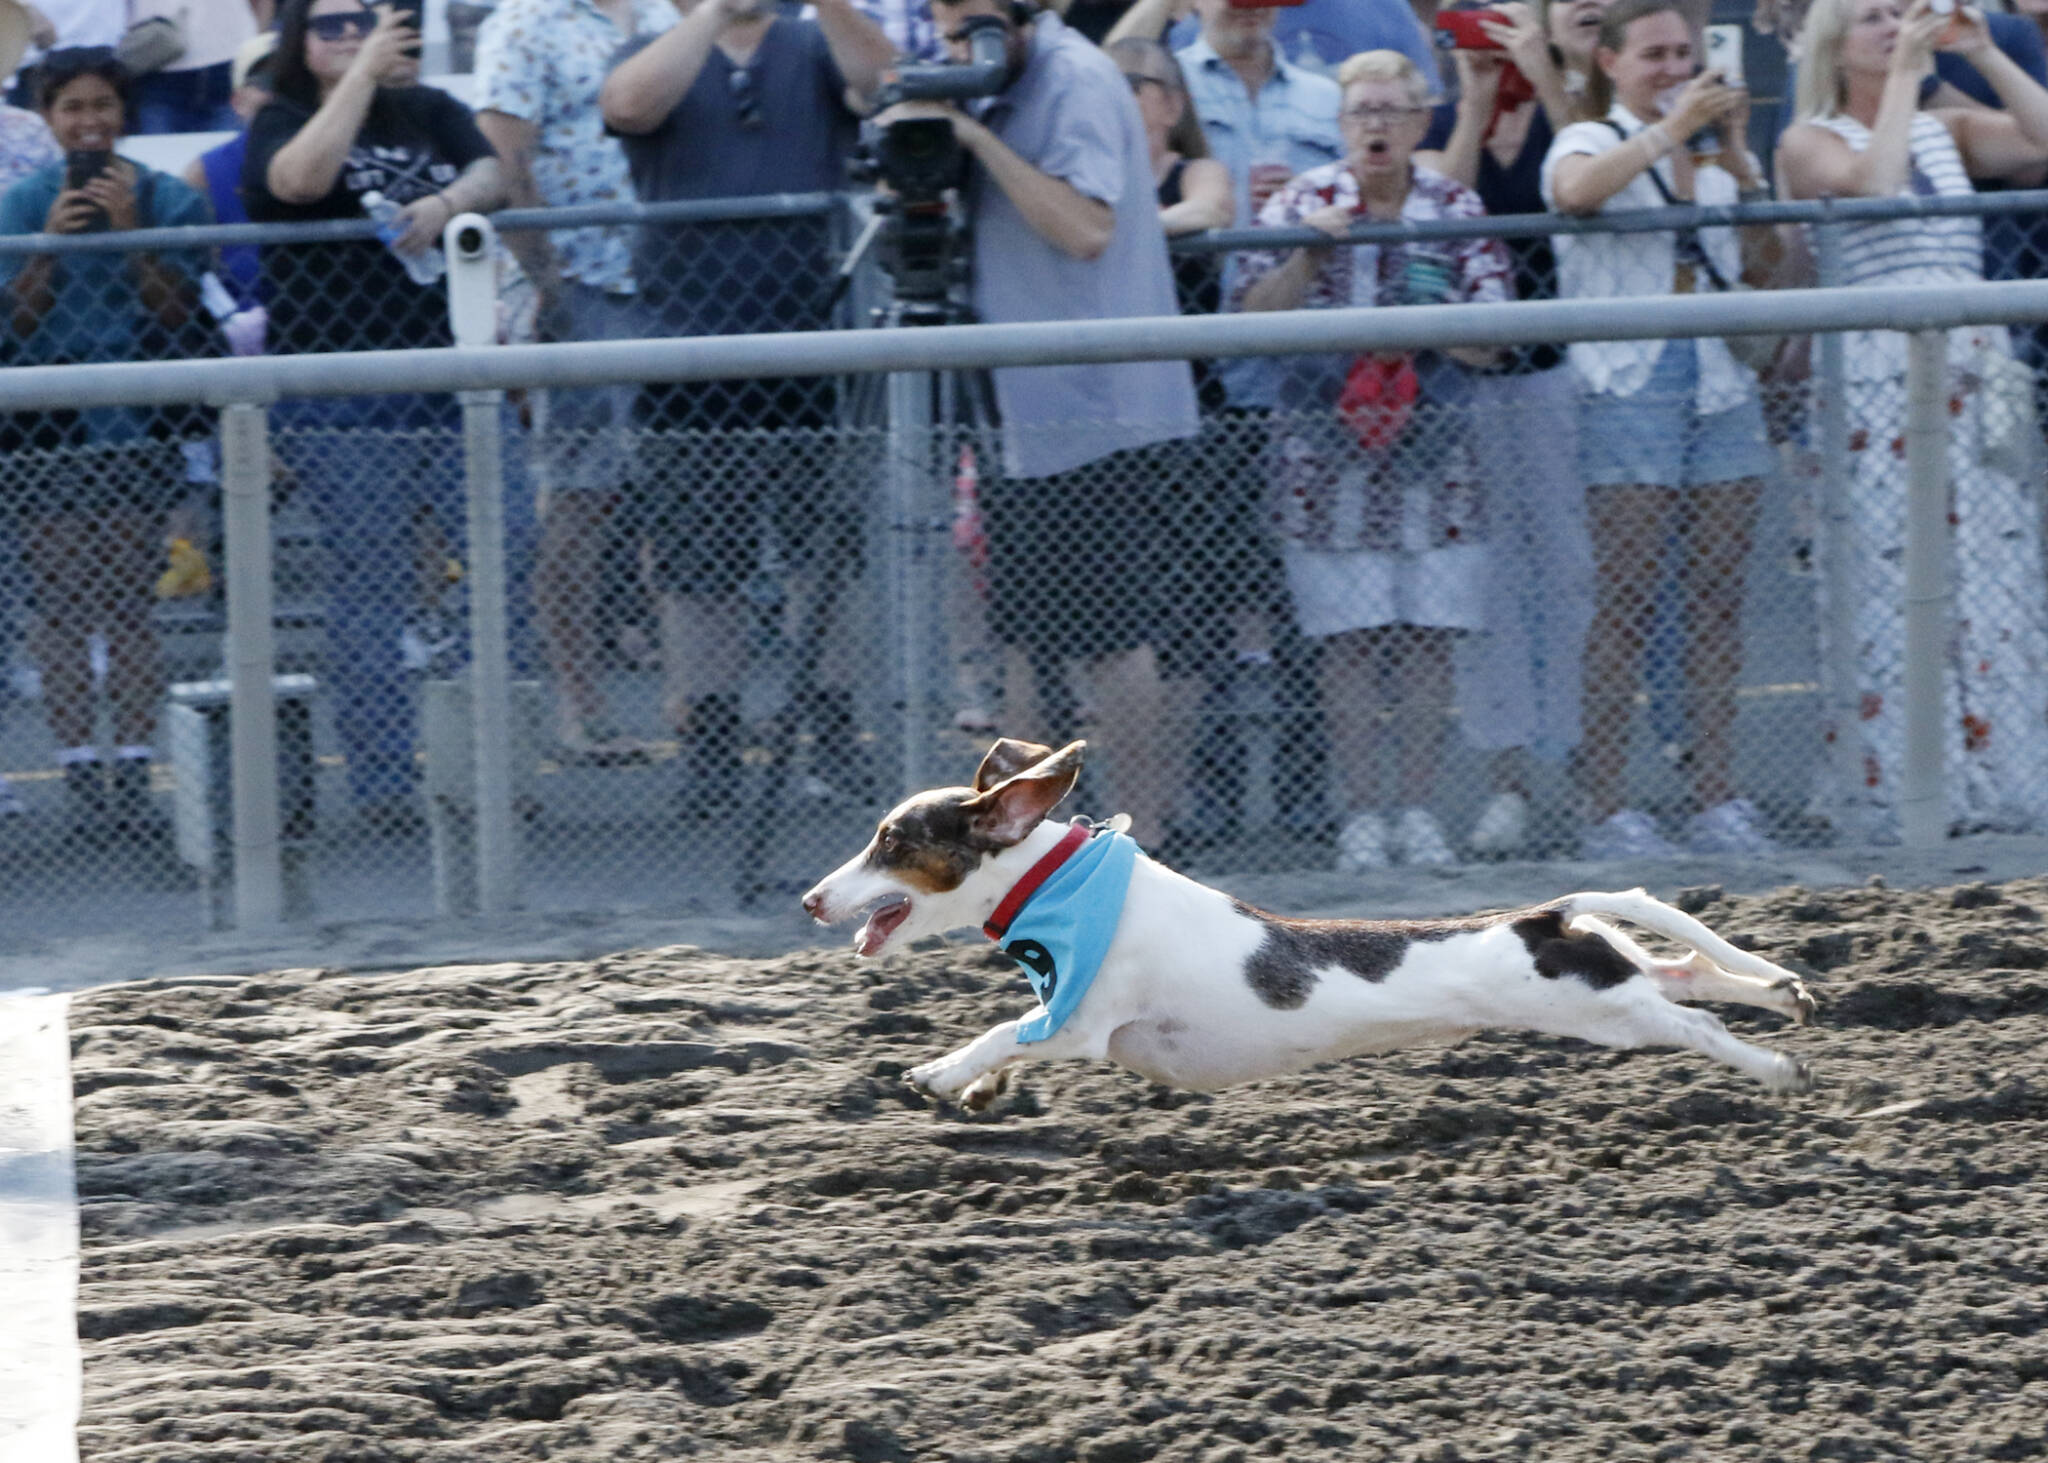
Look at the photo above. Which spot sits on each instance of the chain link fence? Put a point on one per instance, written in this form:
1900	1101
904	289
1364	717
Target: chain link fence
1431	606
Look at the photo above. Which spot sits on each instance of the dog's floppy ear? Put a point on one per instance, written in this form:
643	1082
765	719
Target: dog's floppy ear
1003	814
1005	760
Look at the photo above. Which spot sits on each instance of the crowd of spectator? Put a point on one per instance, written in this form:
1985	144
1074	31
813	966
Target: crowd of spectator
1487	541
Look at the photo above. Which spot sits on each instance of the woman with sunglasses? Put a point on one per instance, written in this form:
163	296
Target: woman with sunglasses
88	491
1862	133
348	120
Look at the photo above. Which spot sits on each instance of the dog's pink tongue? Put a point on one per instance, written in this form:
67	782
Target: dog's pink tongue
880	925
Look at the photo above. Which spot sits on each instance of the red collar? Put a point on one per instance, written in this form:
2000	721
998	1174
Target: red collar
999	923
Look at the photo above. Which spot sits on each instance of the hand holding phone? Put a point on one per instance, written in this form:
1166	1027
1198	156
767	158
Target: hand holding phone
81	167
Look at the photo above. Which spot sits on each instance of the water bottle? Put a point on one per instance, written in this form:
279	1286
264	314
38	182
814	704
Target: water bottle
425	267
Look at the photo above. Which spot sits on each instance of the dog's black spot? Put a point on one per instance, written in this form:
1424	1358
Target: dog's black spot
1584	957
1282	971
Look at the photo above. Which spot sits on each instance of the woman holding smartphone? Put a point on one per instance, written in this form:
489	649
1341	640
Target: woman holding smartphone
87	492
1861	133
1671	432
349	120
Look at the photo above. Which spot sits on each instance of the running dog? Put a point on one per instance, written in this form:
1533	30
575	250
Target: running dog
1187	986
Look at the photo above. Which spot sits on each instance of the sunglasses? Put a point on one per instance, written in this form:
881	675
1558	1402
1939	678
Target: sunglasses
342	25
746	98
1381	116
1139	81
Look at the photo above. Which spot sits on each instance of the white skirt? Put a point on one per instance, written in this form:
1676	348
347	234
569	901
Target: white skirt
1363	589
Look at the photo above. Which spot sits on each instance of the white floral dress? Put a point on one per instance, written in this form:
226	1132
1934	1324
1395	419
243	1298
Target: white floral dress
1995	690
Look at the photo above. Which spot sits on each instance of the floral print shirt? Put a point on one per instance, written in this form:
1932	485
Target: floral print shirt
1393	474
543	61
25	145
1480	270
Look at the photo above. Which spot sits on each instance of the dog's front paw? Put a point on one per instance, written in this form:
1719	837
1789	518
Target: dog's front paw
1791	1076
942	1079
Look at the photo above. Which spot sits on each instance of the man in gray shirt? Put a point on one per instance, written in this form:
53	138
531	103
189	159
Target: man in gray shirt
1066	227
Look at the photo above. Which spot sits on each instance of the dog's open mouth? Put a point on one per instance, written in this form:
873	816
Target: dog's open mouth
882	922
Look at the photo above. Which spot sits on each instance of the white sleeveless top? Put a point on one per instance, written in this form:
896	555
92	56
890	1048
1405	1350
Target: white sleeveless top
1914	250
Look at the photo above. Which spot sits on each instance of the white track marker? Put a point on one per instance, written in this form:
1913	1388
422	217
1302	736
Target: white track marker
39	1368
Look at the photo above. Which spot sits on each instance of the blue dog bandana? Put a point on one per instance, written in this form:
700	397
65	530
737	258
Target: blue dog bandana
1063	929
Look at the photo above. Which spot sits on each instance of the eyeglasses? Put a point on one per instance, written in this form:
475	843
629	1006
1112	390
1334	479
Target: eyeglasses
1380	116
746	98
342	24
1139	81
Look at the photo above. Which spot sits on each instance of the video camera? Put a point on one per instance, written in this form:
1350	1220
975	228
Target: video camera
920	161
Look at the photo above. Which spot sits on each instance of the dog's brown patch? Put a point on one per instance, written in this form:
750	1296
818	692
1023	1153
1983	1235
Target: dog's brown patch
930	843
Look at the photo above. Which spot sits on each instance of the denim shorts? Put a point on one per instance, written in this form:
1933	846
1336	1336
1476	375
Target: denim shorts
1658	437
587	439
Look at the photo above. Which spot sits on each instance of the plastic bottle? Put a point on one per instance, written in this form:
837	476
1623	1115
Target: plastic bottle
425	267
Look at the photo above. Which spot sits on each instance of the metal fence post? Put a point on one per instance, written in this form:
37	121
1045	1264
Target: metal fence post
497	846
1840	693
471	245
1923	802
252	659
912	586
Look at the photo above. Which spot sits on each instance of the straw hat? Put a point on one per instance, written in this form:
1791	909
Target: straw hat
14	33
258	46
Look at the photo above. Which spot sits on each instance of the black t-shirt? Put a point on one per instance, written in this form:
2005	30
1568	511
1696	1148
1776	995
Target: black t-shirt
1198	286
357	295
1517	188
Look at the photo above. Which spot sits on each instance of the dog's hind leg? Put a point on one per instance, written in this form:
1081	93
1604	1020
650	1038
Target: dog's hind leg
1697	978
1637	1014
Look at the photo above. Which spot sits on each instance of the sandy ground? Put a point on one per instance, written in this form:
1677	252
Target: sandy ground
671	1204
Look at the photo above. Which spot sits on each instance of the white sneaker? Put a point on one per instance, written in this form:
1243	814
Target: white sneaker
1362	844
1627	835
11	805
1730	827
1503	826
1422	840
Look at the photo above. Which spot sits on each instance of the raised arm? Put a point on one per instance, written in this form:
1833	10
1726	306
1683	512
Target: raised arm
304	170
1814	162
1147	20
1478	85
2001	143
1060	213
645	87
859	47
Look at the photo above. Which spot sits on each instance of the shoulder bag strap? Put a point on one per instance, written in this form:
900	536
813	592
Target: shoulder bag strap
1664	192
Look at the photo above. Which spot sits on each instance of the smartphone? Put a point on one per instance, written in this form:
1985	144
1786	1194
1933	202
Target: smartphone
1724	53
413	13
81	167
1460	30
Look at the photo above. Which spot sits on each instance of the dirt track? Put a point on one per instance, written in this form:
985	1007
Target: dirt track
669	1204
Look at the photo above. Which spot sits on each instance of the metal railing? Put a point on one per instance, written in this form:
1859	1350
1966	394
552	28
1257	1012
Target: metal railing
243	388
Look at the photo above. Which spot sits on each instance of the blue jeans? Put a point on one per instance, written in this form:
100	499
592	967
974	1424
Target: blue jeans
372	469
185	101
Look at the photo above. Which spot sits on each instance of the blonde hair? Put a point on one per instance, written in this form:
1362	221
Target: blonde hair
1819	49
1386	66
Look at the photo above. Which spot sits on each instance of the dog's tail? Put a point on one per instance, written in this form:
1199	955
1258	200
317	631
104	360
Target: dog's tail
1654	915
